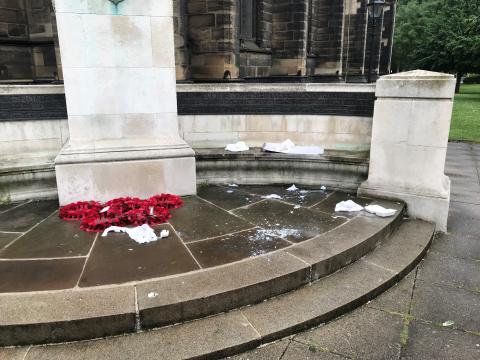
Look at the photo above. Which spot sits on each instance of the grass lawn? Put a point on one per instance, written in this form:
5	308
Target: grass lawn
466	114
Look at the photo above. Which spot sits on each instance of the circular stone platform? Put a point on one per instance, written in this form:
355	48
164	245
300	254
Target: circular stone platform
230	246
221	225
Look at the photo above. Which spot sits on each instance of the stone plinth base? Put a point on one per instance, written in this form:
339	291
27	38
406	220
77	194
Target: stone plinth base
104	174
430	208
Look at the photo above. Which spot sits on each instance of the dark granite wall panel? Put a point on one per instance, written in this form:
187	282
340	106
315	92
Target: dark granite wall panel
302	103
32	107
52	106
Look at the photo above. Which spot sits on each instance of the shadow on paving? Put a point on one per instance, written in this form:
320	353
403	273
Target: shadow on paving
433	313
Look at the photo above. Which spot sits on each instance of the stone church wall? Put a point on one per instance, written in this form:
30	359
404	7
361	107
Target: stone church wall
319	38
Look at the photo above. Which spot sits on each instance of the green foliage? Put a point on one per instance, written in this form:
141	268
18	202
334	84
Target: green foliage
466	114
438	35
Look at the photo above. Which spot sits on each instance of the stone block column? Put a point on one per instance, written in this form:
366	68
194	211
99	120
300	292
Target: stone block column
411	125
119	72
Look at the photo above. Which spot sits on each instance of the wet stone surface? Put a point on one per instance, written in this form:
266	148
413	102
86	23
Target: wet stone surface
406	322
223	224
288	221
233	247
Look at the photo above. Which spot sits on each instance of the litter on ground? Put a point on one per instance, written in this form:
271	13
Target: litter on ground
380	210
323	188
141	234
237	147
233	185
348	206
271	196
292	188
152	295
288	147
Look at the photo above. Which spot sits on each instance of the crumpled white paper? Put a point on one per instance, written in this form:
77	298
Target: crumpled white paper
288	147
141	234
292	188
380	210
271	196
348	206
238	147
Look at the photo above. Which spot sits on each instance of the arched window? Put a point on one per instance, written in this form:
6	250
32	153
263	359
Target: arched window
248	21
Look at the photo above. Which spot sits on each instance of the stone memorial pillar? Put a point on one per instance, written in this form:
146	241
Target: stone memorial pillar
410	132
119	72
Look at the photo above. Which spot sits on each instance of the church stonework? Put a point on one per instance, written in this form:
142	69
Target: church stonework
224	39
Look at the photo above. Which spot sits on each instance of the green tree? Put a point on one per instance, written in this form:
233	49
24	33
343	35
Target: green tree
438	35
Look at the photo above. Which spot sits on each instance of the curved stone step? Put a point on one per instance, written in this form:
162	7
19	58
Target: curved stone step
79	314
341	170
246	328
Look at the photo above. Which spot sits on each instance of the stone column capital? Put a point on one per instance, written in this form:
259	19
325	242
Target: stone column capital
416	84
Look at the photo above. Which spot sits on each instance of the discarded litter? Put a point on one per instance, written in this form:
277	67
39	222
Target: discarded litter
292	188
238	147
448	323
271	196
152	295
297	207
323	188
105	209
164	234
348	206
232	185
380	210
229	191
288	147
141	234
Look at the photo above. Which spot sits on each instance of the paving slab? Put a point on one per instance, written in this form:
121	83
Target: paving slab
398	298
7	238
295	225
234	247
36	275
465	193
357	335
430	342
466	246
464	211
227	198
440	303
34	318
273	351
197	220
6	207
297	350
26	216
220	289
118	259
52	238
216	337
13	353
437	268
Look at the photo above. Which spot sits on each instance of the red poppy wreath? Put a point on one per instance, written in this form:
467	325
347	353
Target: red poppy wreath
96	217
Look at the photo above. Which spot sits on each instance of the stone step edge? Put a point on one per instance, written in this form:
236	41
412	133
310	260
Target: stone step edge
257	330
257	154
133	308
